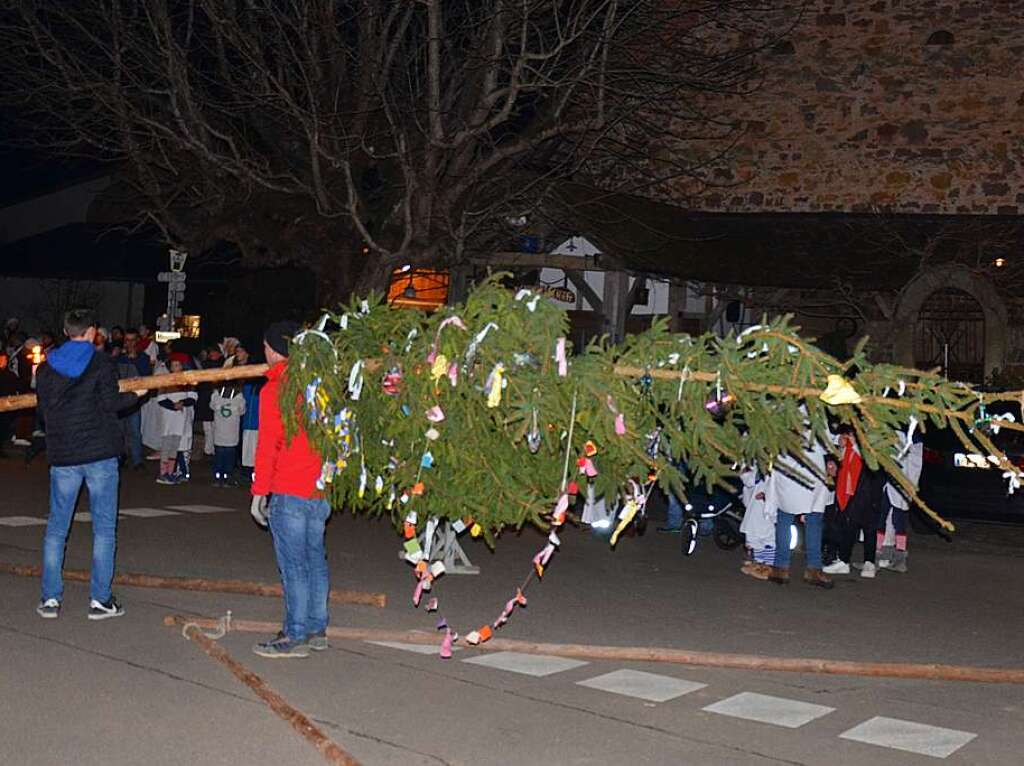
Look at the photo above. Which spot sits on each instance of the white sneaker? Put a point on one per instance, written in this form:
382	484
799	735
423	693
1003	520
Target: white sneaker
837	567
884	564
868	570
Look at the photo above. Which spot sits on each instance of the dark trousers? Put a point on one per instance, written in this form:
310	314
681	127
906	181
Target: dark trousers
849	534
224	462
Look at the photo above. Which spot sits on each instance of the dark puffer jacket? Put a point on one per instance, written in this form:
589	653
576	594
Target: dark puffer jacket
79	399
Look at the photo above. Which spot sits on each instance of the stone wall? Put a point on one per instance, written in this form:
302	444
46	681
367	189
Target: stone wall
910	106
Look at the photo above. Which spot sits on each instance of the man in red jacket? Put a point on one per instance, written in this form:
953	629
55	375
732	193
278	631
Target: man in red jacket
287	472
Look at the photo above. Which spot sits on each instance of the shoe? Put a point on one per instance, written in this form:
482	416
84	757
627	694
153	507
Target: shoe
281	647
884	564
868	570
669	529
817	579
317	642
49	609
757	571
837	567
899	566
779	575
165	479
100	611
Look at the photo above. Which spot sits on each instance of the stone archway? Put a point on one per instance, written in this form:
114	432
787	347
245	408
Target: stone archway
922	286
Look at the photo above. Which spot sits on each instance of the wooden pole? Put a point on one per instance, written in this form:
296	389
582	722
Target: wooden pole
202	584
330	750
930	672
152	382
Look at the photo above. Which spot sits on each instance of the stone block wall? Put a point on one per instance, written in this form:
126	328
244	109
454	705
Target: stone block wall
908	106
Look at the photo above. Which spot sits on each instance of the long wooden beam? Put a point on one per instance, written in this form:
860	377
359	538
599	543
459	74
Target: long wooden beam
756	662
202	584
154	382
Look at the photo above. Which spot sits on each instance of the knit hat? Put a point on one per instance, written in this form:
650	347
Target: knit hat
279	335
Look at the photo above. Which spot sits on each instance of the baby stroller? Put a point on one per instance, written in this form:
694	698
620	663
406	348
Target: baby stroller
718	513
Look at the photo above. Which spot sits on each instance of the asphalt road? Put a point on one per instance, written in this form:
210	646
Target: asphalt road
131	691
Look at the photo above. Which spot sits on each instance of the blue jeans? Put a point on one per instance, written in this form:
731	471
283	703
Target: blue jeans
813	524
297	526
674	517
224	462
65	483
131	427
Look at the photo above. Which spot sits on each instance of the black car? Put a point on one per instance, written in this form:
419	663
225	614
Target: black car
961	484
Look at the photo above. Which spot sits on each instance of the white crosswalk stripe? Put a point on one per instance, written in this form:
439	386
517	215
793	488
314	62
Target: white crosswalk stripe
21	521
778	711
202	508
147	513
646	686
527	664
909	736
417	648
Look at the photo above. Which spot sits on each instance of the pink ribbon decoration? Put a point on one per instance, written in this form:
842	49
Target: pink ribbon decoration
446	645
417	594
563	363
435	414
587	467
452	320
453	374
620	419
561	507
544	555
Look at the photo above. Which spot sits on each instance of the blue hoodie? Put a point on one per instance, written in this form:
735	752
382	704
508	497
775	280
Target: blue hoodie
71	358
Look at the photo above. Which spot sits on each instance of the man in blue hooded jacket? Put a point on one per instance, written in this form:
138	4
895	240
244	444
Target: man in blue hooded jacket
79	398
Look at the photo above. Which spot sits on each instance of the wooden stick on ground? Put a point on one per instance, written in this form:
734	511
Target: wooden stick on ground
243	587
930	672
328	748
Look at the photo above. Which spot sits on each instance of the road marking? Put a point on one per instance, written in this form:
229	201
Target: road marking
202	508
418	648
527	664
645	686
147	513
909	736
21	521
774	710
83	516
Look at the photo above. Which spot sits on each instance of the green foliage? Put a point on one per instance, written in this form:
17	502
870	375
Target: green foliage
662	383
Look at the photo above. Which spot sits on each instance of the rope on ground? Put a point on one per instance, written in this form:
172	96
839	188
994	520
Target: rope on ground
329	750
222	629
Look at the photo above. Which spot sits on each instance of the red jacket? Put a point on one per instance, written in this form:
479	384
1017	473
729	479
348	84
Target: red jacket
282	467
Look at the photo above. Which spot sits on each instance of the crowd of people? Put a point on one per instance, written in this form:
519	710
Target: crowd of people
847	504
161	426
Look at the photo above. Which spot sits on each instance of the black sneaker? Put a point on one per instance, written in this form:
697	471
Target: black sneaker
281	647
98	611
49	609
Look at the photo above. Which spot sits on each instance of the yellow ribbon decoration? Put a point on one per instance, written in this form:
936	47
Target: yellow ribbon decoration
439	368
625	517
839	391
494	396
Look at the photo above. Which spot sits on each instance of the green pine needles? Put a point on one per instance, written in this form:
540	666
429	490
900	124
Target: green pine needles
466	412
